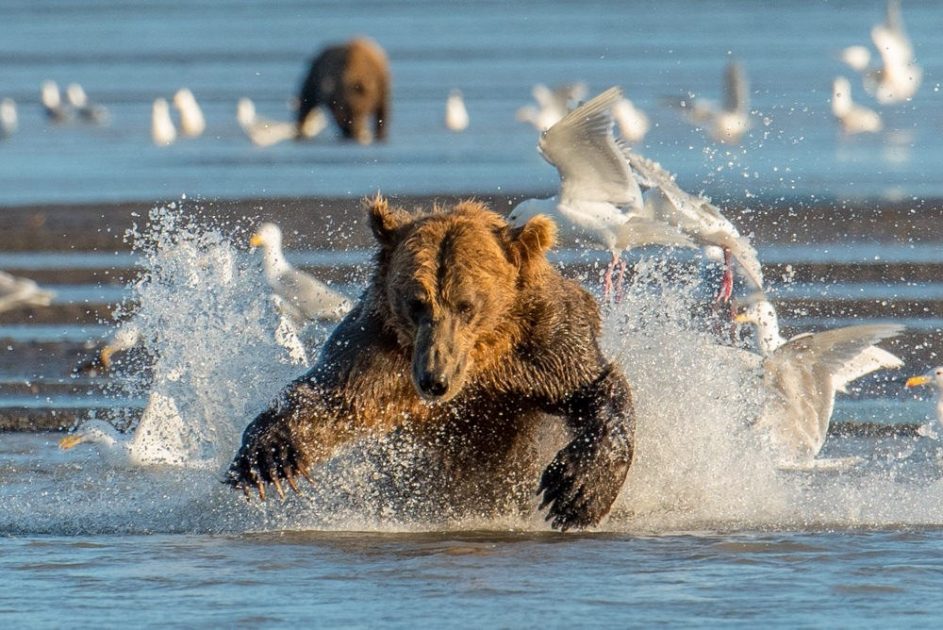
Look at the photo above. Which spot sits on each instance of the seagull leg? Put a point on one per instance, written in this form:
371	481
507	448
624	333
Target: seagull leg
620	279
726	284
607	279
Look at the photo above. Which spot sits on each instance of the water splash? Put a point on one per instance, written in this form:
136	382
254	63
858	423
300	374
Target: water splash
699	463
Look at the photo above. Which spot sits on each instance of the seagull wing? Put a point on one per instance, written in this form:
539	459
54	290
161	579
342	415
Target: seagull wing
312	297
869	360
694	215
736	89
591	162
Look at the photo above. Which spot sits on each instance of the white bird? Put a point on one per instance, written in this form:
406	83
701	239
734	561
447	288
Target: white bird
599	199
264	132
17	292
632	122
852	117
456	116
727	123
803	374
52	102
192	122
552	104
698	219
933	377
87	111
158	439
8	118
163	132
303	298
898	77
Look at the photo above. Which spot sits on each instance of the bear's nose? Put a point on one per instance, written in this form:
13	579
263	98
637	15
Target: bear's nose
433	384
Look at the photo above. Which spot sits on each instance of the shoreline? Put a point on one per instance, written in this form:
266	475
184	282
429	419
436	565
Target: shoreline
102	226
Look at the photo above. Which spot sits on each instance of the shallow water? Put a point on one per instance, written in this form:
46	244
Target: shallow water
707	530
126	55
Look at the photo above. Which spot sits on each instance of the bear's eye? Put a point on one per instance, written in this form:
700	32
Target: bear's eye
416	308
465	309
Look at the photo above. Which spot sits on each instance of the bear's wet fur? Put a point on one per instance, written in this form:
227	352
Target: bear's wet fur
469	341
352	80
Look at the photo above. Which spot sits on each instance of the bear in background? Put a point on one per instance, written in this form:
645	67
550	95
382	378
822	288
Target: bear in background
352	80
467	338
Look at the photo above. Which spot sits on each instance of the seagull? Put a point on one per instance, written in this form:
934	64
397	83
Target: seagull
552	104
852	117
698	219
8	118
302	297
898	77
89	112
52	102
158	439
17	292
163	132
599	199
632	122
456	116
933	377
192	122
802	375
725	124
262	131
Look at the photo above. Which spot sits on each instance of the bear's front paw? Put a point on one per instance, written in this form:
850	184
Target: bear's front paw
581	483
267	455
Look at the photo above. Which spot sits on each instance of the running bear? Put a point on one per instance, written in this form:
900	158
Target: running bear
468	336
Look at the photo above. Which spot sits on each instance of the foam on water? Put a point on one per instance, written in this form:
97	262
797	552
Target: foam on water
202	308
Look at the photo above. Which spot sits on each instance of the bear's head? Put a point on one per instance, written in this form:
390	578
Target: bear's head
454	286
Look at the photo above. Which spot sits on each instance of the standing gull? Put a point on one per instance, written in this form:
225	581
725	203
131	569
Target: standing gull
192	122
802	375
8	118
163	132
456	116
599	199
302	297
632	122
51	99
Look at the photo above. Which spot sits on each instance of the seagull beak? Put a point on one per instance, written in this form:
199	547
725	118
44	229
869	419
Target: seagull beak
104	357
255	240
741	318
917	381
70	441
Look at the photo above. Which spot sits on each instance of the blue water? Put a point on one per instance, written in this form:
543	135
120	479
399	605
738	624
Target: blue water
82	545
128	54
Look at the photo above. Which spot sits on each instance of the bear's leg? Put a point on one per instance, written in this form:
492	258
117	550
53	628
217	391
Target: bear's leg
583	480
286	440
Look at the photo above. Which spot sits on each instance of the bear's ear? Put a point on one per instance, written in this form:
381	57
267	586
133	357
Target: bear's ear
532	240
384	221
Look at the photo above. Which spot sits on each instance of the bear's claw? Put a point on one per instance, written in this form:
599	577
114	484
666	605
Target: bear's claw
257	464
581	484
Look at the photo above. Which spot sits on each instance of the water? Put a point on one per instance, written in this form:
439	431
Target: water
706	531
126	55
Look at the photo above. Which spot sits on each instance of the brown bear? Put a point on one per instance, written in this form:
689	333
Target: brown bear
468	337
353	81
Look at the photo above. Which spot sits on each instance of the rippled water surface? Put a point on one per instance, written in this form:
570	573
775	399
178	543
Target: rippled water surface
707	530
128	54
